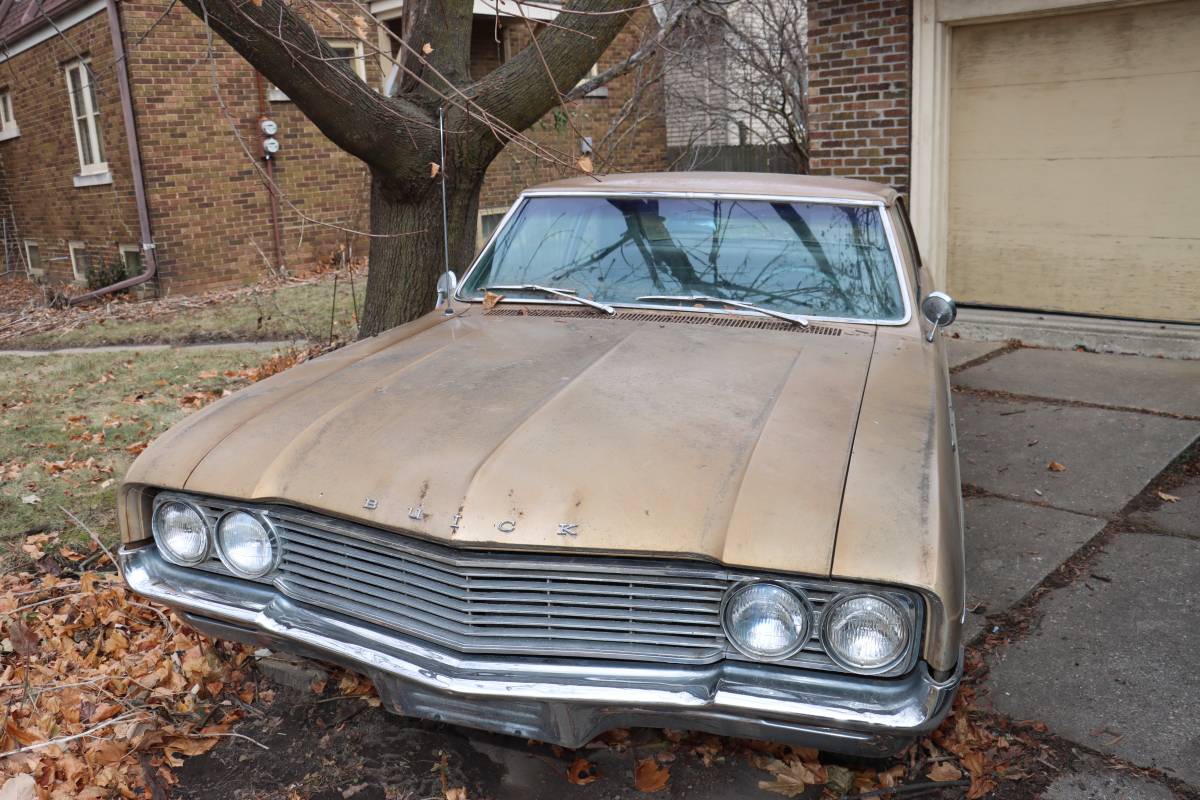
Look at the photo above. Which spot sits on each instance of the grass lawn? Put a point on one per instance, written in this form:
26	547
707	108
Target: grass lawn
71	424
283	312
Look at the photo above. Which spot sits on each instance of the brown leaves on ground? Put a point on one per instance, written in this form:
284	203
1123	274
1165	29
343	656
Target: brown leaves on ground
1167	498
650	776
1054	466
103	692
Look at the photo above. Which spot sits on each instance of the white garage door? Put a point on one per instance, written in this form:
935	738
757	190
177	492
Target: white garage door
1075	163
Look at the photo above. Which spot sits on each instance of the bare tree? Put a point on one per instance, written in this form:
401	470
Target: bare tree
736	74
397	136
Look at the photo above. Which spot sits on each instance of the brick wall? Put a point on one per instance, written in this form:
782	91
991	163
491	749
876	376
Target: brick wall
860	56
210	208
39	165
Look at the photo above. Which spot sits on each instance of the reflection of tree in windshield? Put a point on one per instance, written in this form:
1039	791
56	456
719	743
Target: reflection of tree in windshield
809	258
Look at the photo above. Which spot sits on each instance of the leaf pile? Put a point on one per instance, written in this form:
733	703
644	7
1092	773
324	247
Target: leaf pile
101	692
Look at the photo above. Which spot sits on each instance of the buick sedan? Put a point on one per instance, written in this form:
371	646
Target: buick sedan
677	451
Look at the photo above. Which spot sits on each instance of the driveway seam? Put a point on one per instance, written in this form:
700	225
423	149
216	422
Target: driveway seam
998	394
1004	349
971	490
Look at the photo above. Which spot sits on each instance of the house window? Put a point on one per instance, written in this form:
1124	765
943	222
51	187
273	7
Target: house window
489	220
8	123
80	260
33	258
344	50
86	118
131	259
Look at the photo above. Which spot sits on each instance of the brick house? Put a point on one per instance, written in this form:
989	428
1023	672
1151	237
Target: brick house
67	191
1049	147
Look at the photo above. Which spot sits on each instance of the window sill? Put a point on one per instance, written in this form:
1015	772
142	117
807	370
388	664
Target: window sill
11	133
95	179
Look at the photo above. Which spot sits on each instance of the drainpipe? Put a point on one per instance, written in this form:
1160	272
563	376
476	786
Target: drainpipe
135	166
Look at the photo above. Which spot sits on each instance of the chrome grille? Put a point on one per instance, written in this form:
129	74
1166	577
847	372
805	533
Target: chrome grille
538	604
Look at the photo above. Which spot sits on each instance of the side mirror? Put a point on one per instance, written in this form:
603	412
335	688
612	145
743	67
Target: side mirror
939	310
445	289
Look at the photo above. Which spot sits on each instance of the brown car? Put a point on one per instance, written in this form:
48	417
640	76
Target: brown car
678	451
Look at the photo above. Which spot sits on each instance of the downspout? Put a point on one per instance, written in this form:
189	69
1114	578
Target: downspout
135	166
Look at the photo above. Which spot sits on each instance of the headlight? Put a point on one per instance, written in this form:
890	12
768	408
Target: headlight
181	532
766	621
245	544
866	632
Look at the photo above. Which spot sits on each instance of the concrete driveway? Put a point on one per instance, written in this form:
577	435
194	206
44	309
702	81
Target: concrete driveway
1081	476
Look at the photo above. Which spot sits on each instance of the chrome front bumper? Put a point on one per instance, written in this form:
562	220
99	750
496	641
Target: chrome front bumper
567	701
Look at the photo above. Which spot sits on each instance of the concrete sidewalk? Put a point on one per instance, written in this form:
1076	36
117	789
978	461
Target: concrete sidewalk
1107	661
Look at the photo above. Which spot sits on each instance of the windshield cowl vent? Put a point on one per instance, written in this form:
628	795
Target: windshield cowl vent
682	319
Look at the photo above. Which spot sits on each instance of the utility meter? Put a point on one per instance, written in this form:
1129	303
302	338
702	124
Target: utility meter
270	146
268	127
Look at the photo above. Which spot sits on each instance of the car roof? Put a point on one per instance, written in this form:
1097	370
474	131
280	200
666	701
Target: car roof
740	183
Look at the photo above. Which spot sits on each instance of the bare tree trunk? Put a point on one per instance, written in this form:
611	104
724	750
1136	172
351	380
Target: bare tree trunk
406	264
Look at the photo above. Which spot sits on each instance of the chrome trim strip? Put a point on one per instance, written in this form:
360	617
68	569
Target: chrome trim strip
771	698
889	229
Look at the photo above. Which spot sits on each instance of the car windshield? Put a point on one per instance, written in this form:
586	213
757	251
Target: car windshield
804	258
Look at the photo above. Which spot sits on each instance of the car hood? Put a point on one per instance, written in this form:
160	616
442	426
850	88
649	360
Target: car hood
636	435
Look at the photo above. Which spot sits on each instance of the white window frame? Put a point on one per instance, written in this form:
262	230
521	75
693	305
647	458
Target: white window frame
39	270
73	248
8	121
358	63
125	250
90	117
480	241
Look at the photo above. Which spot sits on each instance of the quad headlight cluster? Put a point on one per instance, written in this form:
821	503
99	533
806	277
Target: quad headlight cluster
864	632
244	541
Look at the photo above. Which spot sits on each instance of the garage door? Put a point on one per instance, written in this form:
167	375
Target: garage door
1074	180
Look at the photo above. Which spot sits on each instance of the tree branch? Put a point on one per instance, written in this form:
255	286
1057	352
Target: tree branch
524	88
279	43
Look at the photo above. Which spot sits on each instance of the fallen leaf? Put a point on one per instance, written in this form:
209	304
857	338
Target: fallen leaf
1054	466
24	641
649	776
1168	498
585	164
792	778
838	783
490	300
582	772
19	787
458	792
434	169
31	499
427	48
944	771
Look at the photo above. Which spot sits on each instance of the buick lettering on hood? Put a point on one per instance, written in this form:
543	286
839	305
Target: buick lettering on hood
678	451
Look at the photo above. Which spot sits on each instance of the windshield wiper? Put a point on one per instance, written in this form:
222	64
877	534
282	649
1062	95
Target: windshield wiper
566	294
705	298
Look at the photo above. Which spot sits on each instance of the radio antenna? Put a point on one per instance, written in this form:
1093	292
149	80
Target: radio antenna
449	281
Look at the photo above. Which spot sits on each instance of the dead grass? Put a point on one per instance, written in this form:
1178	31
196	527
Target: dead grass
71	424
298	310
